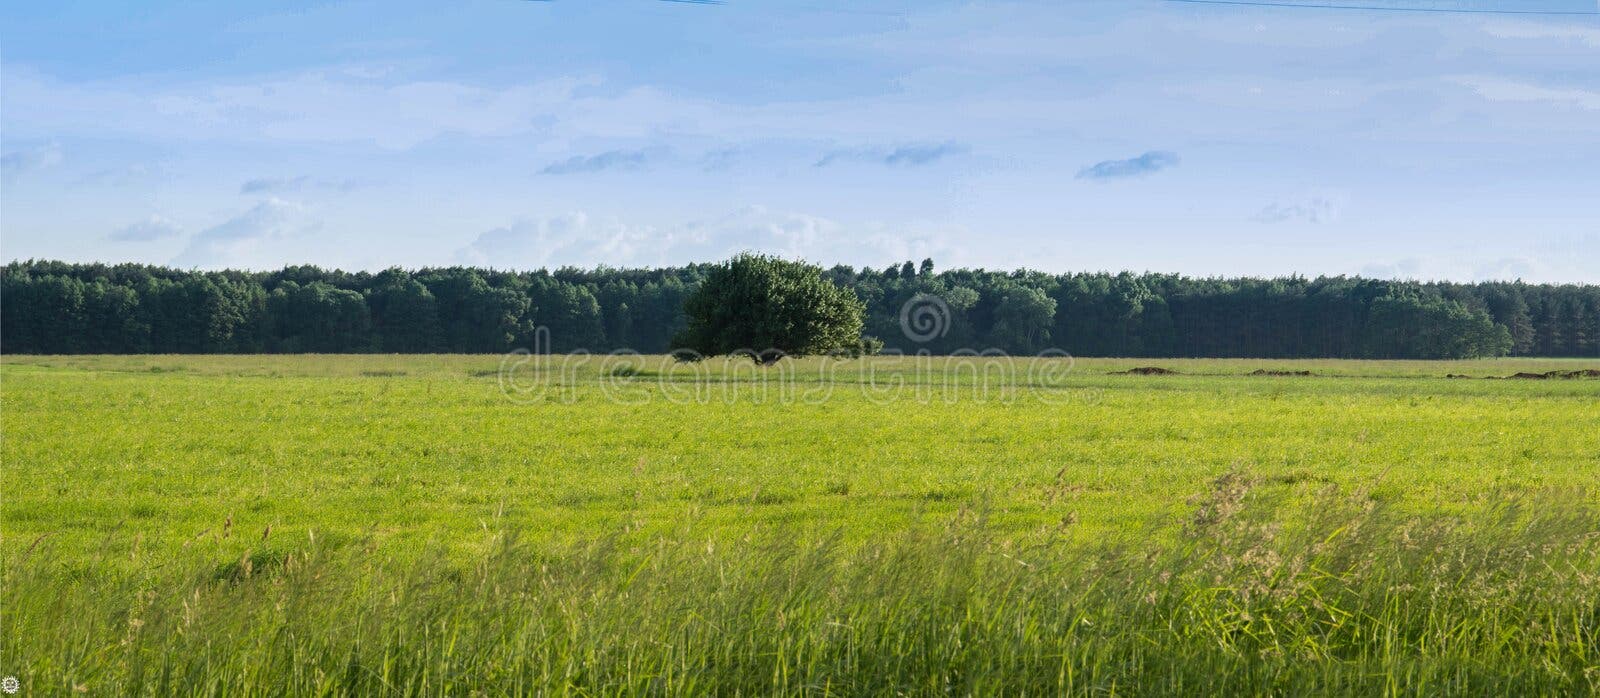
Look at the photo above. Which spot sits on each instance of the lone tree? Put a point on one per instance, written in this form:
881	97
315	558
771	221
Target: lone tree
771	308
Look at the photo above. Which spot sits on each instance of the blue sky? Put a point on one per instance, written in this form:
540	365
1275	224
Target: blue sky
1062	136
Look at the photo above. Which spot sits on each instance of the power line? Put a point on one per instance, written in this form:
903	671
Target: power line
1378	8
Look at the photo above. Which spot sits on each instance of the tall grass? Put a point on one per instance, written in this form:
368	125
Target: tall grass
1258	595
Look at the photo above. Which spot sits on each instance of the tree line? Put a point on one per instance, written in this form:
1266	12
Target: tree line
58	307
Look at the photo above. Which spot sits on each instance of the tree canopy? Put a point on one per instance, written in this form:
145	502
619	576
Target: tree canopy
57	307
772	308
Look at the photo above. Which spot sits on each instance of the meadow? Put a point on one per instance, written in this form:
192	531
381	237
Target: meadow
461	525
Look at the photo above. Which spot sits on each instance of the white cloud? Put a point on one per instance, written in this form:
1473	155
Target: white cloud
1031	88
609	160
580	240
570	238
1003	55
327	105
289	185
1148	163
320	106
121	176
1505	269
1470	266
1404	269
1501	90
20	162
1542	31
264	185
331	105
152	228
234	242
909	155
1311	209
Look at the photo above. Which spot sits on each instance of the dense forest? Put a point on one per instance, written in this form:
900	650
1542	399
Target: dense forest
56	307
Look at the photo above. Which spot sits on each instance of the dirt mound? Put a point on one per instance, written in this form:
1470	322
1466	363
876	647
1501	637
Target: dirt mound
1580	373
1456	375
1266	372
1147	371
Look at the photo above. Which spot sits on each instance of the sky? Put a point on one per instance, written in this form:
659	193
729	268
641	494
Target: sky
1143	135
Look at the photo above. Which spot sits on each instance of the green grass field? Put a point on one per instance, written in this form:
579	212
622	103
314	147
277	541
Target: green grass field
405	525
